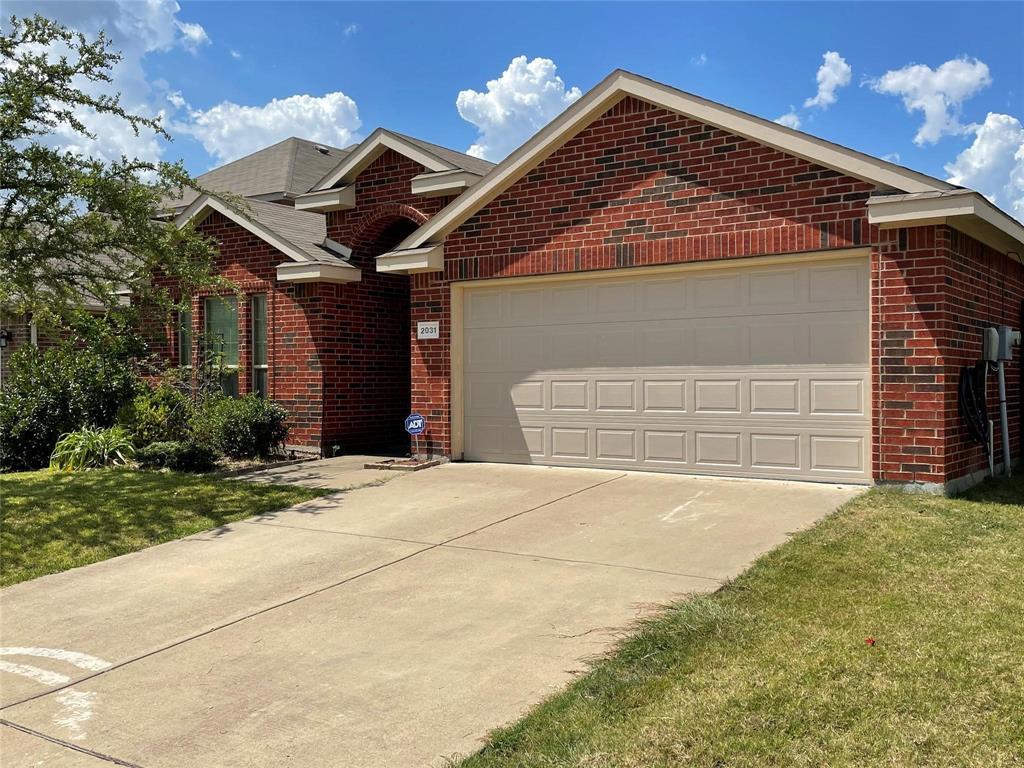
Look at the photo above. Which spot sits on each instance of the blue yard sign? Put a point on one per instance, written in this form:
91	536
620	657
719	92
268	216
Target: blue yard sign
415	424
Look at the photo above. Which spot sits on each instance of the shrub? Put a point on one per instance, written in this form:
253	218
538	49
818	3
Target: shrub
187	456
89	448
157	414
54	391
242	428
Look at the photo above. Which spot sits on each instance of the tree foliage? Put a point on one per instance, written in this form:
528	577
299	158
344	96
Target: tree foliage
75	230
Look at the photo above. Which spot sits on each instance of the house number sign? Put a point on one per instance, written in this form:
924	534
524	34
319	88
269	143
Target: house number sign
428	329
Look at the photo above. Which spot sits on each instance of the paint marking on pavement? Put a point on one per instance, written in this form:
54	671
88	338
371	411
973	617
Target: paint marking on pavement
80	660
43	676
670	517
76	706
78	711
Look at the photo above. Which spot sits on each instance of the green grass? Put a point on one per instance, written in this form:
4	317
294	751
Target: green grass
52	521
774	670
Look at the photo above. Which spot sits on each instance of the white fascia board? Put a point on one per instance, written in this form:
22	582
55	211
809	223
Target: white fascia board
373	147
409	262
318	272
335	247
888	211
621	84
327	200
965	210
205	204
443	183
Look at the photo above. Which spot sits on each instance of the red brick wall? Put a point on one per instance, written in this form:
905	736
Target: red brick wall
338	355
367	374
985	288
296	324
643	186
908	315
639	186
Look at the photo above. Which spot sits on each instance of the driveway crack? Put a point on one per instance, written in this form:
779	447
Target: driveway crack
68	745
275	606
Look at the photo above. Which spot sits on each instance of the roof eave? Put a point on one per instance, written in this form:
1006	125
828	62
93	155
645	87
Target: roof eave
620	84
965	210
337	199
375	145
412	261
204	205
442	183
317	272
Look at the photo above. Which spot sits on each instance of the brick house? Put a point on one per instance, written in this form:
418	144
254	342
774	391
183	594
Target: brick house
653	281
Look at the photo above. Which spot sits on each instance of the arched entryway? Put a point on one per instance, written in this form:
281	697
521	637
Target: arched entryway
371	381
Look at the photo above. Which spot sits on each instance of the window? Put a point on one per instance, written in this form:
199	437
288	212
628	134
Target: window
258	318
185	338
222	340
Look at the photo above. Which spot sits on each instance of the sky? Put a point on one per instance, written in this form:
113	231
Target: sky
938	87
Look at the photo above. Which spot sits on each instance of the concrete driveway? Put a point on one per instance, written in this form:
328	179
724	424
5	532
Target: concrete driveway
390	625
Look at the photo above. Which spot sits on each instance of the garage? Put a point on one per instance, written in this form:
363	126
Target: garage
759	370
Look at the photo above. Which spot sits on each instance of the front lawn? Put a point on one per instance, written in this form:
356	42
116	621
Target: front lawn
52	521
892	634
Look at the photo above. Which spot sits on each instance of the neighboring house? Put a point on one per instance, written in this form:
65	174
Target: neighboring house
653	281
16	331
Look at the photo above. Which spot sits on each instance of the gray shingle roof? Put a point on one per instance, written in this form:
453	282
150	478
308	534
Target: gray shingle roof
458	159
306	230
289	167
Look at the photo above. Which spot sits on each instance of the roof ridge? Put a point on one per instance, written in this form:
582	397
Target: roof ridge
423	142
245	157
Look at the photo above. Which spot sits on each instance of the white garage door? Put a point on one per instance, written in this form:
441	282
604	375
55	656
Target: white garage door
757	371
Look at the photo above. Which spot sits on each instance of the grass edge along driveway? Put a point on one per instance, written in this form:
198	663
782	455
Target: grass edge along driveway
887	635
53	521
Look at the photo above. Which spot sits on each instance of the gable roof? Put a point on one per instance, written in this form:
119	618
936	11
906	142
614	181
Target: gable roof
459	160
299	235
282	170
431	156
620	84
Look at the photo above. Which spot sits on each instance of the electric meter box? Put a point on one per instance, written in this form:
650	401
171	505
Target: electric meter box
998	343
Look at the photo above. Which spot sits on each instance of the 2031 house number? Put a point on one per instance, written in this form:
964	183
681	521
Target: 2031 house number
428	329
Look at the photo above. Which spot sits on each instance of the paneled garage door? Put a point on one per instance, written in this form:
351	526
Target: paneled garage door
757	371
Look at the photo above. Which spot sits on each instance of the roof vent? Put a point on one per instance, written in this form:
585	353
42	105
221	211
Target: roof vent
321	149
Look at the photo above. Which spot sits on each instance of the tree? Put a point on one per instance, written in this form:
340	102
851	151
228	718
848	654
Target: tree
76	230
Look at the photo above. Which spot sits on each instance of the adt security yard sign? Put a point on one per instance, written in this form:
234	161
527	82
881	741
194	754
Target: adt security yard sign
415	424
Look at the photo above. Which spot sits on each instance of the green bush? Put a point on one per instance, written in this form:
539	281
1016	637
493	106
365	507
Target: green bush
242	428
187	456
157	414
51	392
89	448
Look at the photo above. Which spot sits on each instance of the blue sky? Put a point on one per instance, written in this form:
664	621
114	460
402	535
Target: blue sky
218	67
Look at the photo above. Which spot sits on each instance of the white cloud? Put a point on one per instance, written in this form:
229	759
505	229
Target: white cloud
833	74
135	29
938	93
515	106
699	60
892	157
791	119
350	30
176	99
193	36
994	163
228	131
235	54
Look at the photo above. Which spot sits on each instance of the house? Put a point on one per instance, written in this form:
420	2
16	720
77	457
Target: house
653	281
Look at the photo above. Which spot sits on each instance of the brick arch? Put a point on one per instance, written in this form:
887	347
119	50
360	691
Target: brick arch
376	221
